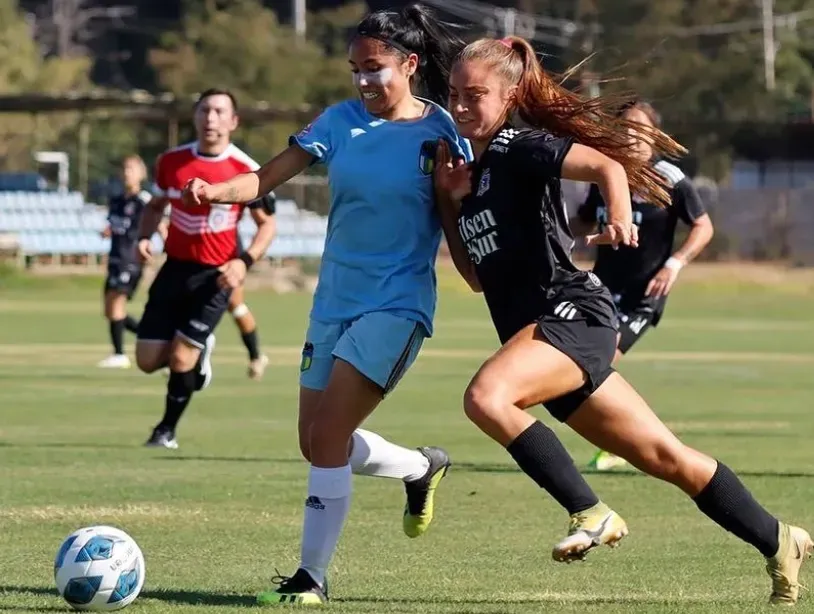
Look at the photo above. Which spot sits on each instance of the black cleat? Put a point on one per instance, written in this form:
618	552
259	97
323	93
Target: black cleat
421	492
162	437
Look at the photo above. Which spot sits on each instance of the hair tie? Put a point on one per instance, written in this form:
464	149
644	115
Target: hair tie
506	42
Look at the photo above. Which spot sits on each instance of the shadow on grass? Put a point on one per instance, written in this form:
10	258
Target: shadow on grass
632	473
182	597
210	599
29	590
174	596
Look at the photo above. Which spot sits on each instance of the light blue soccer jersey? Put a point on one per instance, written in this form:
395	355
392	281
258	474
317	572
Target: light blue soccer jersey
383	229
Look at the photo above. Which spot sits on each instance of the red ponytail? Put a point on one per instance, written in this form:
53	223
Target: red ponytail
544	103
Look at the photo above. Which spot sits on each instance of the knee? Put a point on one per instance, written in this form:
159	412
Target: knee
146	361
482	403
328	440
183	358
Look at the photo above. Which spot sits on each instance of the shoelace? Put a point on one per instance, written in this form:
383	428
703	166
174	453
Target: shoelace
279	579
576	521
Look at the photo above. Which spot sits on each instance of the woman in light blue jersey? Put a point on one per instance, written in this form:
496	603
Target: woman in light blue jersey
375	300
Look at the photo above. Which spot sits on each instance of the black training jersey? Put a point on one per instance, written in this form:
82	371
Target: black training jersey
515	227
627	271
124	217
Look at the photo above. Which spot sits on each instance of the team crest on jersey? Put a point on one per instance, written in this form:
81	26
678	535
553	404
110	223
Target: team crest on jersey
594	279
426	157
485	182
129	209
307	356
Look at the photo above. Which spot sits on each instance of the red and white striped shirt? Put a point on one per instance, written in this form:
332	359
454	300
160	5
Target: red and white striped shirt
206	234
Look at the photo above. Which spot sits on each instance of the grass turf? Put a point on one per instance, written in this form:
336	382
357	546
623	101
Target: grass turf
729	369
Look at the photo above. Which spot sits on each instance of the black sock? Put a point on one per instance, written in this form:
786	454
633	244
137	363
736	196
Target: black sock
179	392
117	336
542	457
727	501
251	343
131	324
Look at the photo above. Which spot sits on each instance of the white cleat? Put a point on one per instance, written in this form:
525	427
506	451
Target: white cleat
796	547
115	361
206	361
258	367
598	526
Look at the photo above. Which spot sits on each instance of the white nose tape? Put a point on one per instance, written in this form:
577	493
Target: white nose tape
380	78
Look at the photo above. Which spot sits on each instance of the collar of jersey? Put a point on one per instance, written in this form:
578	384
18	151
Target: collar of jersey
221	156
431	108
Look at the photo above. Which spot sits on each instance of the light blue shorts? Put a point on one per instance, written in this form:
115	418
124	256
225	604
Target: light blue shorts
380	345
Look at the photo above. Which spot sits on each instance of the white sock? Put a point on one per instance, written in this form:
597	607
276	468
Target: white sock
326	508
374	455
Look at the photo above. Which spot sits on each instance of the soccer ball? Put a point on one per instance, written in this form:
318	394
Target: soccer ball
99	568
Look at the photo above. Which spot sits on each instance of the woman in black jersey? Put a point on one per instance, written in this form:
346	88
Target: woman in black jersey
557	323
123	268
640	279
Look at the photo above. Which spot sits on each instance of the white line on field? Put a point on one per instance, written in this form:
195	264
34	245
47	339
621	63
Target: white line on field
82	351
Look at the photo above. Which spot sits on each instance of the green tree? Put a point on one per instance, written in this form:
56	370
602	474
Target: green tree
24	70
241	45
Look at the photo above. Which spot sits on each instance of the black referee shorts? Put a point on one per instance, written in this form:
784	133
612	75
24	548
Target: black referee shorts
184	300
590	344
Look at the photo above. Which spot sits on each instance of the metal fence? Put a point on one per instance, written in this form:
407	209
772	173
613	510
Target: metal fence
750	224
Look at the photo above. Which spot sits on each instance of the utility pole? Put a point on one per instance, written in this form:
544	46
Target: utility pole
509	22
65	25
298	8
769	50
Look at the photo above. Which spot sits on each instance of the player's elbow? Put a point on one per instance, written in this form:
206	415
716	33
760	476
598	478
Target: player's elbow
704	225
609	172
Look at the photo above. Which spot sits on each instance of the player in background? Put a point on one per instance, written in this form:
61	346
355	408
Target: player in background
123	265
640	279
375	300
247	326
556	322
204	263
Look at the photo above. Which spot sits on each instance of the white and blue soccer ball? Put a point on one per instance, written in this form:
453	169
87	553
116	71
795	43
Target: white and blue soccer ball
99	568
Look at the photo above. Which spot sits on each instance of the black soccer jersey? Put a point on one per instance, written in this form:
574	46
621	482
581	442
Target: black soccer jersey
627	271
515	227
123	217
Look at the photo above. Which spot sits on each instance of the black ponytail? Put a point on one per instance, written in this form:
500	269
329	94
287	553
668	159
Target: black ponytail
416	30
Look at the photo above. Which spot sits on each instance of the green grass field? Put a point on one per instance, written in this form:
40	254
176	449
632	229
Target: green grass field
730	369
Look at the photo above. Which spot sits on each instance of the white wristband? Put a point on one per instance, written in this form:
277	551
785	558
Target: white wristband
674	264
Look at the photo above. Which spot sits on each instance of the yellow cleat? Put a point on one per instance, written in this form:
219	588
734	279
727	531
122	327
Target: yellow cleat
784	567
596	526
421	493
300	589
605	461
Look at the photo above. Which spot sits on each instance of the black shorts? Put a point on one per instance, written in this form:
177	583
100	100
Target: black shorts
633	325
634	320
590	344
123	278
184	300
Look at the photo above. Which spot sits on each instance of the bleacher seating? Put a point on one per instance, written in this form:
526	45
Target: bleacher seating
62	224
